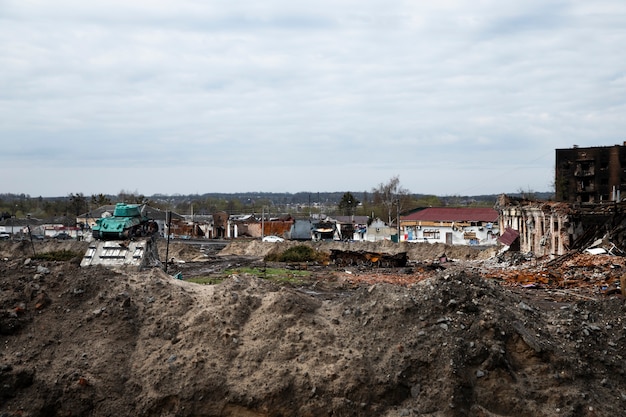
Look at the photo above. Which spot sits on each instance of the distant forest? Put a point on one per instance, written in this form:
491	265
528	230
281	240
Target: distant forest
296	204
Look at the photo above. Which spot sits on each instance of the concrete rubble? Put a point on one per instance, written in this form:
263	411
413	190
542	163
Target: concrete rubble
454	332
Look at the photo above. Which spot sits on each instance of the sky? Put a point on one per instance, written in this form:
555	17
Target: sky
193	97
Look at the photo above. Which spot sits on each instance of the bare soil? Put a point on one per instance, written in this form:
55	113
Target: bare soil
463	338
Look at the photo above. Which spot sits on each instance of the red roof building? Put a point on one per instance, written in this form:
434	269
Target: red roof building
454	214
451	225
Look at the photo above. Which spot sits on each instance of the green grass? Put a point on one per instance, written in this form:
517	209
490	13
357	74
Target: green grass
276	275
206	280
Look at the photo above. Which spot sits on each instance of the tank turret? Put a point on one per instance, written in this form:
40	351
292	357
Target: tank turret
127	222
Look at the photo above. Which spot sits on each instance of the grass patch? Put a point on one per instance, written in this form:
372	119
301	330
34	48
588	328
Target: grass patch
58	255
206	280
276	275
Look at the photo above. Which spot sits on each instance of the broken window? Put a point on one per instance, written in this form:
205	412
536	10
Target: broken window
584	169
431	234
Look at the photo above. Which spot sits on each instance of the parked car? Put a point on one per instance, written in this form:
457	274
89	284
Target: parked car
273	239
5	236
62	236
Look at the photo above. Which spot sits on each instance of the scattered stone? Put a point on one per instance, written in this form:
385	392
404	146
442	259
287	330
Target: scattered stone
42	270
42	301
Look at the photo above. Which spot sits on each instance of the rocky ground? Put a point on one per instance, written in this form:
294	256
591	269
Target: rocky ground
476	336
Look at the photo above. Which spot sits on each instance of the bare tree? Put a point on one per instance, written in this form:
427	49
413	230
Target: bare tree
527	194
77	204
392	196
133	197
99	200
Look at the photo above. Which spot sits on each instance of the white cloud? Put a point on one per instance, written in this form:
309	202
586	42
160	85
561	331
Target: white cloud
442	93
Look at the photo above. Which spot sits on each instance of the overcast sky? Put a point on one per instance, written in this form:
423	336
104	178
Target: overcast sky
454	97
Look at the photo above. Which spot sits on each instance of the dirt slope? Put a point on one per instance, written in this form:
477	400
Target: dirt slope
415	252
93	342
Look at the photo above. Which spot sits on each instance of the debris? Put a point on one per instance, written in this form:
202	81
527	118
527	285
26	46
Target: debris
42	300
382	341
596	251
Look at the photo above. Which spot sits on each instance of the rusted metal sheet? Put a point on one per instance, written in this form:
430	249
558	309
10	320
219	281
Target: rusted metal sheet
509	236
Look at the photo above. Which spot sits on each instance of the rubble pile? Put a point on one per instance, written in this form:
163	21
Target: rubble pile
437	337
581	272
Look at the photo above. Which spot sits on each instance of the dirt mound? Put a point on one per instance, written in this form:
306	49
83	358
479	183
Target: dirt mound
93	342
180	251
415	251
26	248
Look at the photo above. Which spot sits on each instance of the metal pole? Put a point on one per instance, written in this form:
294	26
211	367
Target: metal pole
168	220
30	235
398	217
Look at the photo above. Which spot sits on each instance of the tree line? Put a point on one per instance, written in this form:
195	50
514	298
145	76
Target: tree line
385	201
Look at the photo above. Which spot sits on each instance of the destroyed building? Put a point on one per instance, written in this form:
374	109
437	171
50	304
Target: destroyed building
588	175
548	228
588	211
543	228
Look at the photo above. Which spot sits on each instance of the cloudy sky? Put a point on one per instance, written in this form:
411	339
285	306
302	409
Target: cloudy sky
454	97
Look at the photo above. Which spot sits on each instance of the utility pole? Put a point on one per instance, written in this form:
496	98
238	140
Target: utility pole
168	221
398	217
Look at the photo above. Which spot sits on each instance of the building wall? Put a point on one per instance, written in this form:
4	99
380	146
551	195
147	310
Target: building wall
590	175
301	229
450	233
545	230
378	230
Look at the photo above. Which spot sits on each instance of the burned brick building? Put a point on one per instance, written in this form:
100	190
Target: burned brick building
590	175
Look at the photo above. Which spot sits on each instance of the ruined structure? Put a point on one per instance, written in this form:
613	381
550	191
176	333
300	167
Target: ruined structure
543	228
546	228
590	175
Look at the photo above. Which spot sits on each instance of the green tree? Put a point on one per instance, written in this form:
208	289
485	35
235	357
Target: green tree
427	201
348	203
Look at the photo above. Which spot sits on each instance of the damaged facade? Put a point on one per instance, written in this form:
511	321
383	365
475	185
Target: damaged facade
542	228
557	228
352	228
590	175
588	211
